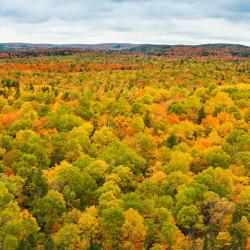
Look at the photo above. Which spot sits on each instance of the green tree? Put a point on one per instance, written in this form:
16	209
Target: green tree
147	120
218	158
168	233
111	223
116	153
49	209
217	180
190	221
201	115
68	237
243	205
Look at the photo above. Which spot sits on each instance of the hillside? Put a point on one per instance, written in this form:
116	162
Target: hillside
103	46
207	51
112	46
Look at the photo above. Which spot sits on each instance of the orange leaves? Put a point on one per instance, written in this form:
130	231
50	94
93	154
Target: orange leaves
39	124
203	144
172	118
210	121
248	243
53	131
7	119
42	132
55	227
121	126
95	66
104	120
25	213
10	98
110	66
9	171
158	111
139	93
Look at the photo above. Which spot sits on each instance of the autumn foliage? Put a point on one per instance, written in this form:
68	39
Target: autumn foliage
104	150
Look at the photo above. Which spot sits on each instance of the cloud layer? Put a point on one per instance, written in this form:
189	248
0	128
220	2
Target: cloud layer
137	21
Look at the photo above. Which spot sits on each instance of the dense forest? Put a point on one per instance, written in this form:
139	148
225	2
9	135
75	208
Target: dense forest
123	151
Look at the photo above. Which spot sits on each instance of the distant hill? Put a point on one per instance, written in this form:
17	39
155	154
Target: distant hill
208	51
223	46
219	51
102	46
148	48
112	46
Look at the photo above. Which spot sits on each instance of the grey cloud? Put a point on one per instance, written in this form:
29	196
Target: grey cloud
160	21
40	11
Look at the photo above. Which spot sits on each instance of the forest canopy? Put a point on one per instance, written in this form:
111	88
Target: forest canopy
124	151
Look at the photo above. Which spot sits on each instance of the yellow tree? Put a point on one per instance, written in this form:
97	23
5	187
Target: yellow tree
133	230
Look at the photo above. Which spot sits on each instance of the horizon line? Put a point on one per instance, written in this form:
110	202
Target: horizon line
131	43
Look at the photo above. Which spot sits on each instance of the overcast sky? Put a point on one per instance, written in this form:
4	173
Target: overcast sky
135	21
